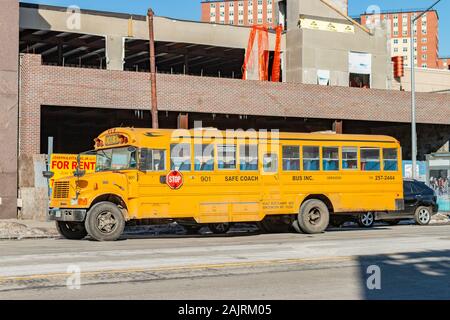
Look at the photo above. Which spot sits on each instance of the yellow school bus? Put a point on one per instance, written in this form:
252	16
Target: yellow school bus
211	177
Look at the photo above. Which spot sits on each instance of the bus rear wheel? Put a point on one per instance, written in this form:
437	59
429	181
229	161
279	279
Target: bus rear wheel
105	222
219	228
71	230
313	217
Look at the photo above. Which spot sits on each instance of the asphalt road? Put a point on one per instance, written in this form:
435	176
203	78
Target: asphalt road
401	262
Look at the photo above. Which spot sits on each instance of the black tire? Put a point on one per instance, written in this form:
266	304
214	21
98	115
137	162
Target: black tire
219	228
392	222
313	217
366	219
191	230
112	226
274	224
422	215
71	230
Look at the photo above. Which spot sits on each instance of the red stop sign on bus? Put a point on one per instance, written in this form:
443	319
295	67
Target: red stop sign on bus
174	180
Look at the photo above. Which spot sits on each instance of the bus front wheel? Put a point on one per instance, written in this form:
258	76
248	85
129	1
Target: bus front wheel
313	217
105	222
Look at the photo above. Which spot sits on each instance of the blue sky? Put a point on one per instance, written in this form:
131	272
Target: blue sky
190	9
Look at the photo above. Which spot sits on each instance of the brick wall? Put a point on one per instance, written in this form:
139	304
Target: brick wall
60	86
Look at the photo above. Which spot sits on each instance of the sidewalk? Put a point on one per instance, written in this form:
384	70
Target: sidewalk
14	229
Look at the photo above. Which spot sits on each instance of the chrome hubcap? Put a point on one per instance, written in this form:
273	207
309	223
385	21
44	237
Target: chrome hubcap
106	222
367	219
314	216
424	215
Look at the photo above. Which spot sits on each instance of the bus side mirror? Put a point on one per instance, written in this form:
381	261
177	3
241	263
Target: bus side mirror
79	173
48	174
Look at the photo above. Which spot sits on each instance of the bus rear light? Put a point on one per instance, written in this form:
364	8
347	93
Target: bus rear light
96	186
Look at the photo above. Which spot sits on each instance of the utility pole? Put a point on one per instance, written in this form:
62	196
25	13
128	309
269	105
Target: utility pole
155	124
413	93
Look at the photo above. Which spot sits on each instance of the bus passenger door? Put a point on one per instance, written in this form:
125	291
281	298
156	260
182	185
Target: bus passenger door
272	201
153	192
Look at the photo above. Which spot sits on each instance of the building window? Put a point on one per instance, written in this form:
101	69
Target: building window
405	49
395	49
405	40
424	65
395	33
424	40
395	41
213	6
424	48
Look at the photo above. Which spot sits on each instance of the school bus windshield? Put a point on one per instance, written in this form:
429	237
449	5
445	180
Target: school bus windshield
116	159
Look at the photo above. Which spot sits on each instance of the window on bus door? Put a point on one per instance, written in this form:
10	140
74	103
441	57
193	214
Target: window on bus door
330	156
390	159
152	160
270	162
204	157
311	158
248	157
180	157
350	158
226	157
370	159
291	158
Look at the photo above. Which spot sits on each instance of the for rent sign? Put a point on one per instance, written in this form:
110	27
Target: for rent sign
63	165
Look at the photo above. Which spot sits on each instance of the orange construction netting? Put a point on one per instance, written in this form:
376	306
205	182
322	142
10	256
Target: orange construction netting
261	55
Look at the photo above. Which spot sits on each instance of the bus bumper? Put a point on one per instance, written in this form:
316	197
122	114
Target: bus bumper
69	215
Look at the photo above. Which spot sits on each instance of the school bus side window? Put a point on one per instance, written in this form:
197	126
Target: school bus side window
330	157
291	158
390	159
248	157
204	157
311	158
350	158
270	162
180	157
152	160
370	159
226	157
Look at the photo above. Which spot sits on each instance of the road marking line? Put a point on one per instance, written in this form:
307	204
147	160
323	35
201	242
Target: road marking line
185	267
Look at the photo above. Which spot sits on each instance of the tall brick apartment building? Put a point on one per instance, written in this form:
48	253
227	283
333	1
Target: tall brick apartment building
426	36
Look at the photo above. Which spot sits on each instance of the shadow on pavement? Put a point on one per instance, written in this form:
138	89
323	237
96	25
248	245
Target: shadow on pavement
418	275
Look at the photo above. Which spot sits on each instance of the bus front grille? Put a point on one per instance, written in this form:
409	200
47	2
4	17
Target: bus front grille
61	190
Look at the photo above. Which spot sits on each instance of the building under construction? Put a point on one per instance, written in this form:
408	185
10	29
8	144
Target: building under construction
71	79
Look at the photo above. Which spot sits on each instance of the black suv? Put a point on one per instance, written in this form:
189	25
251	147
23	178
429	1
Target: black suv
420	205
